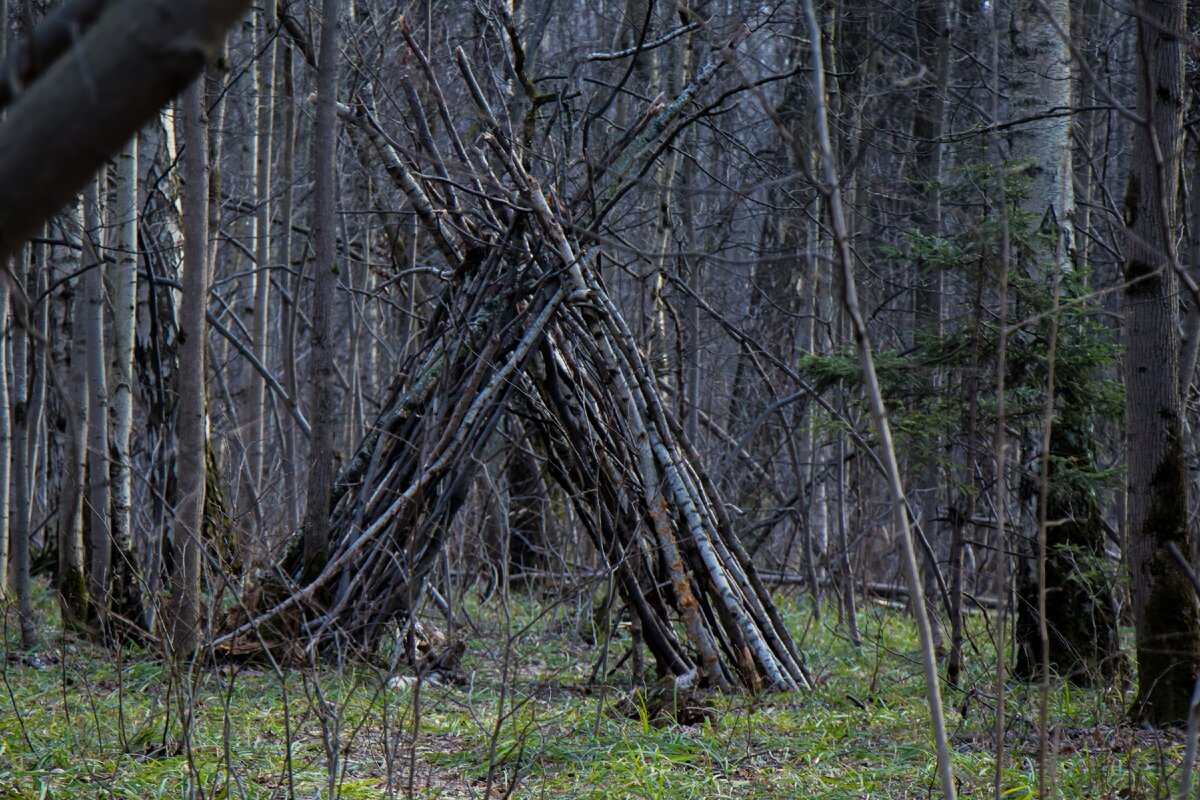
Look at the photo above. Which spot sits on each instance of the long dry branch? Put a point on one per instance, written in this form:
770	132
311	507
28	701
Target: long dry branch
129	63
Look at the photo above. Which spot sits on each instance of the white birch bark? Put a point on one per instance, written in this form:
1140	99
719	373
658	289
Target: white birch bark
28	392
123	301
159	193
255	407
35	443
1039	87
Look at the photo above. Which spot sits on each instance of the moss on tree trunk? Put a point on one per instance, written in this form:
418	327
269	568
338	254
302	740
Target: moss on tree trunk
1168	645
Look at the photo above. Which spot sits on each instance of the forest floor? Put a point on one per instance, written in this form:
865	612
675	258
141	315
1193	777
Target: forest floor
84	721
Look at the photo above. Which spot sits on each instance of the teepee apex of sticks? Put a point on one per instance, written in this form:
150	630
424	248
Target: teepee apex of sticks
525	326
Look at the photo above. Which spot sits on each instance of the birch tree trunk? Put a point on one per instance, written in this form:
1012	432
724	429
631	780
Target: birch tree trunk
264	95
185	590
34	419
26	413
1066	620
72	583
1039	86
123	301
1166	622
156	336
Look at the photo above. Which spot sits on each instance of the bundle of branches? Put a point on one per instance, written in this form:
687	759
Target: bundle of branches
526	326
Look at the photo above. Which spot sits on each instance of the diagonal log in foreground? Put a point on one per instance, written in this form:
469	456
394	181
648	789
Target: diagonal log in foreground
525	325
97	70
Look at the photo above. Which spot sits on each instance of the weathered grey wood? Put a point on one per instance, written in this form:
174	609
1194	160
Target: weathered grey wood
136	57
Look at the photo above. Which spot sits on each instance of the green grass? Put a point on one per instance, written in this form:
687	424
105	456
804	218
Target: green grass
103	723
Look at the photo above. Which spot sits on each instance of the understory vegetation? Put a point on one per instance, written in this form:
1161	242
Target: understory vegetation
535	398
526	719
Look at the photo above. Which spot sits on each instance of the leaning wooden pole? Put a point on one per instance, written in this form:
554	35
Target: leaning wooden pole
124	65
887	452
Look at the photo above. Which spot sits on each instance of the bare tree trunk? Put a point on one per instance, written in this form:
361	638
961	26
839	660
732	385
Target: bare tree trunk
123	300
6	443
1038	78
1066	620
5	419
288	311
26	414
163	230
321	371
255	408
1166	622
961	500
929	120
98	498
1000	440
1190	341
19	513
72	583
40	359
845	570
185	590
